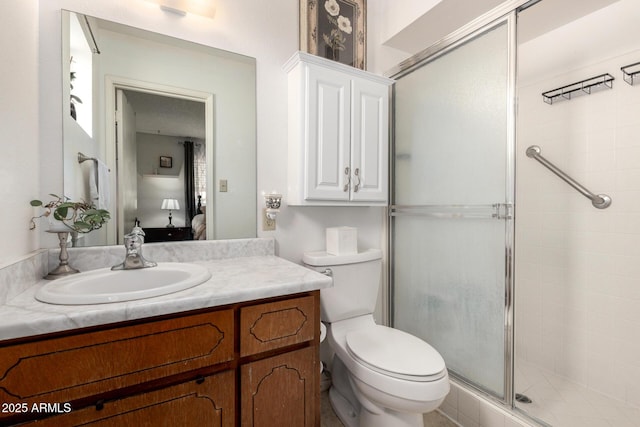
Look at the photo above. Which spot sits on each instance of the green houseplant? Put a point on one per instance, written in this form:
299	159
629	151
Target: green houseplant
81	217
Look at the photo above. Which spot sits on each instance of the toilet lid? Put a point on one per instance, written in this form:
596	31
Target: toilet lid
395	353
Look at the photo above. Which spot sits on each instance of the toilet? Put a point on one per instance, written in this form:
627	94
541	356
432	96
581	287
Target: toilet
381	377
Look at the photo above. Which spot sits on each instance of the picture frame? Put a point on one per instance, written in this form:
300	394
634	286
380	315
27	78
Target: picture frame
335	29
166	162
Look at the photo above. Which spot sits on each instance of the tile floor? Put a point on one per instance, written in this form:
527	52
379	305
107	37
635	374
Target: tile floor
329	419
562	403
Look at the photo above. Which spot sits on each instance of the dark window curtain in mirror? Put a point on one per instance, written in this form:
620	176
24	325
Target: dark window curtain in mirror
189	183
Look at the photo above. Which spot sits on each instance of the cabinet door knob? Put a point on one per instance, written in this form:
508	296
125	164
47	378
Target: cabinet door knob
348	184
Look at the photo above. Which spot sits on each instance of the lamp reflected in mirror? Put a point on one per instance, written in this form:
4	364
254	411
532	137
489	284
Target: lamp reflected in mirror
170	205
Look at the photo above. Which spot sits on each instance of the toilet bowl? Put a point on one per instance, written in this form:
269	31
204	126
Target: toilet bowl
381	377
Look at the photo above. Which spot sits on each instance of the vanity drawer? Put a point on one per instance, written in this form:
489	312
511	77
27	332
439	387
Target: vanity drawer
207	402
73	367
278	324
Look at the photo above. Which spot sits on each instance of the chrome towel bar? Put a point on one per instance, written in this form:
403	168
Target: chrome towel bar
600	201
488	211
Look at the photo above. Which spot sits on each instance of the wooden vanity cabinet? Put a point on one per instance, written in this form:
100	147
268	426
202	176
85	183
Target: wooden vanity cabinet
283	389
247	364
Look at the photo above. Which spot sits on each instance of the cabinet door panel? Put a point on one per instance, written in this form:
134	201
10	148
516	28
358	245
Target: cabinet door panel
370	140
282	390
210	402
328	121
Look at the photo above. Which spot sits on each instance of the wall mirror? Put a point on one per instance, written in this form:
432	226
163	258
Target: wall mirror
159	131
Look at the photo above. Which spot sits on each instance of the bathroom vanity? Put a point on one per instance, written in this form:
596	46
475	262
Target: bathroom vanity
240	349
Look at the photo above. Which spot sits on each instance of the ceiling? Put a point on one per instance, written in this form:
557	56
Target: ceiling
547	15
164	115
448	16
442	19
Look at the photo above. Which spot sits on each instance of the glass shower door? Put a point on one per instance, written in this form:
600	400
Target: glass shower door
452	203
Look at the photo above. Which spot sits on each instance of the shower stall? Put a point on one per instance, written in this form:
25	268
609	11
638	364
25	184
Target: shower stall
514	218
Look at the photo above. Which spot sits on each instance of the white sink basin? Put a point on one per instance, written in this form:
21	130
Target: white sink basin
105	286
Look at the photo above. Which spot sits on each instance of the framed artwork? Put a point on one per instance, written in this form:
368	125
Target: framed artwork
166	162
334	29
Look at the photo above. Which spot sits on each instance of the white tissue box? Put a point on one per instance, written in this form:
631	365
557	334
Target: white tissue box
342	240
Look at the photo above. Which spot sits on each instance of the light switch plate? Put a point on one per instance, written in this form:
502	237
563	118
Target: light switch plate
223	185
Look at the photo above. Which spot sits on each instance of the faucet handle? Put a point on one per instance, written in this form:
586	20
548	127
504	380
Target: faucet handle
136	233
136	230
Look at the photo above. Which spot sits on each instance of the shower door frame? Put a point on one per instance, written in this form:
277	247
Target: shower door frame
506	13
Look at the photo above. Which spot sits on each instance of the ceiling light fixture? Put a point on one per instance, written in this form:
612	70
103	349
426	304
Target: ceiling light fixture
204	8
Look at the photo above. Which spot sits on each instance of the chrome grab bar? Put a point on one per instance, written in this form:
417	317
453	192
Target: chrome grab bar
600	201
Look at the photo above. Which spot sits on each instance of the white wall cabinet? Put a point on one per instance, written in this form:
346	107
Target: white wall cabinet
338	134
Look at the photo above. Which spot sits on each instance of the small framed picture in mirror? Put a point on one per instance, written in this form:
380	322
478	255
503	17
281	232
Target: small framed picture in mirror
166	162
334	29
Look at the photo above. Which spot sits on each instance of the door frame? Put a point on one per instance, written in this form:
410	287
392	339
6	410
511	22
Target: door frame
505	13
113	83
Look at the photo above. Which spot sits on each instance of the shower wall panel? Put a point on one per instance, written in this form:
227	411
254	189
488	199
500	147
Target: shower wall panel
578	268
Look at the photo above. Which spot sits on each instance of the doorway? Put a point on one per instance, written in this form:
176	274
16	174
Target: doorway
167	117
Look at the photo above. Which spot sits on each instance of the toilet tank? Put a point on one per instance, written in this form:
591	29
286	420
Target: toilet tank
356	281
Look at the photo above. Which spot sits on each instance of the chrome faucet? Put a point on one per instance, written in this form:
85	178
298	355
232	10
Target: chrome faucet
134	259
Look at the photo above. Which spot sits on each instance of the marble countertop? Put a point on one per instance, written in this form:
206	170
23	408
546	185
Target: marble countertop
235	279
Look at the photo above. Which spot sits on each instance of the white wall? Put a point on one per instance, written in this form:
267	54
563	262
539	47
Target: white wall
399	14
168	183
402	28
577	268
20	168
381	58
267	31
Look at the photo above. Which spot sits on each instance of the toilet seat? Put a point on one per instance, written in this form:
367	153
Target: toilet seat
395	353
